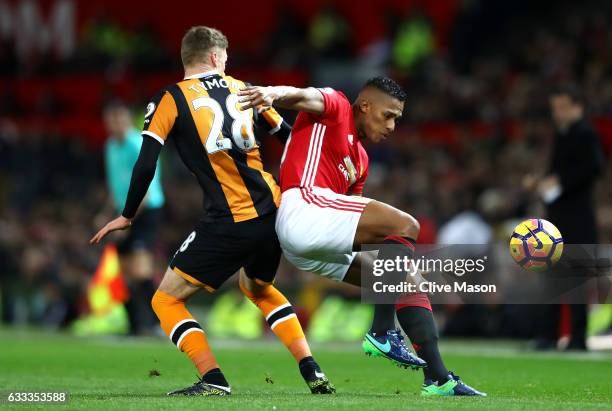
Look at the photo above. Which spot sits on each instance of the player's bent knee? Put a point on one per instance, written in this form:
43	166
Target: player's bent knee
409	226
175	285
246	290
253	291
159	301
247	286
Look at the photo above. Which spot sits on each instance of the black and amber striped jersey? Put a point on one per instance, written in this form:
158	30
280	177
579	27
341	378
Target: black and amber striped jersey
218	143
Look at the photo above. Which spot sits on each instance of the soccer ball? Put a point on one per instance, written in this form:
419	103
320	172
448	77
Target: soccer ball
536	244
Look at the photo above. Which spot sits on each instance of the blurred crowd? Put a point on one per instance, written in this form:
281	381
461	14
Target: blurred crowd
476	122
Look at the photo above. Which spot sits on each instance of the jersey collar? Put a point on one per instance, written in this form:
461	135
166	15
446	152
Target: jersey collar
205	74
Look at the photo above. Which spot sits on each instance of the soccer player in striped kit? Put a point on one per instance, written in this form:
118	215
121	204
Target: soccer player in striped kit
217	142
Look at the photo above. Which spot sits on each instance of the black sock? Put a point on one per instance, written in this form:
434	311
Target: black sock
384	319
419	325
308	366
215	377
391	248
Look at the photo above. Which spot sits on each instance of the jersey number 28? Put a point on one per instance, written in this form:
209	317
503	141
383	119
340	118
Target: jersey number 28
242	126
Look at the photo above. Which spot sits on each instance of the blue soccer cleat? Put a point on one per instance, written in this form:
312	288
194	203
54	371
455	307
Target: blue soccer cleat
453	387
392	347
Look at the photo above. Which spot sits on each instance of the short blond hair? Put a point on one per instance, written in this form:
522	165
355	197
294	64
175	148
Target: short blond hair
198	42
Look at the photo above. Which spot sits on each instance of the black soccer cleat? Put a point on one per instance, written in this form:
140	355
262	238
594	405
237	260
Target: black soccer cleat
319	384
315	378
204	389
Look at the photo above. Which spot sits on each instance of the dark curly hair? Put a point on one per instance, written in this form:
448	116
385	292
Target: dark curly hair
387	86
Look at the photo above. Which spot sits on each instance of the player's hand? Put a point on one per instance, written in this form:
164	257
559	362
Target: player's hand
119	223
260	98
549	185
549	182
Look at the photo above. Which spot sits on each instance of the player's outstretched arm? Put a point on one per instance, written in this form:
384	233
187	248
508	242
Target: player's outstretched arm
300	99
142	175
119	223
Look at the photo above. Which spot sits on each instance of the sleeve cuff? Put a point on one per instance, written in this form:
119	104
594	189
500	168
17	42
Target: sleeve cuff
155	136
278	127
123	214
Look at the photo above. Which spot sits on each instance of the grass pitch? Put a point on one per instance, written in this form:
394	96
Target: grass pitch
120	374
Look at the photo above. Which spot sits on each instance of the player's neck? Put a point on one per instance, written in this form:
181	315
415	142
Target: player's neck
193	70
357	121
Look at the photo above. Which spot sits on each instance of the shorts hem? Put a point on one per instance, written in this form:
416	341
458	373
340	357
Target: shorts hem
192	280
261	282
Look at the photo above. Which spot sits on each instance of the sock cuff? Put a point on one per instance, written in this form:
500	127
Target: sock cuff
396	239
279	314
216	377
414	300
182	329
308	366
306	360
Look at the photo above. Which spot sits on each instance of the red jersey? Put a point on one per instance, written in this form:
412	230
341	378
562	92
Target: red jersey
324	150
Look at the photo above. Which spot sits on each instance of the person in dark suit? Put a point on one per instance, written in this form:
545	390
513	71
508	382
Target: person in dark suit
567	191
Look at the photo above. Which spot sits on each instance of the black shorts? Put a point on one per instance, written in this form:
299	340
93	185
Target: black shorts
213	252
143	232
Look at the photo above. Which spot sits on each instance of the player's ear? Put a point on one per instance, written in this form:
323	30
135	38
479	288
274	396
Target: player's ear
214	58
364	105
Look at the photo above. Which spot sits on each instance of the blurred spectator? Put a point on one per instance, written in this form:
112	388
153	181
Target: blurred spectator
413	41
567	190
330	35
285	45
466	227
135	247
104	40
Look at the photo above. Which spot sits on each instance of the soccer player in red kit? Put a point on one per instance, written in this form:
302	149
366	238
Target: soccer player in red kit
323	221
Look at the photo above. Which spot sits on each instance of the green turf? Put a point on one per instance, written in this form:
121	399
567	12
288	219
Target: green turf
113	374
